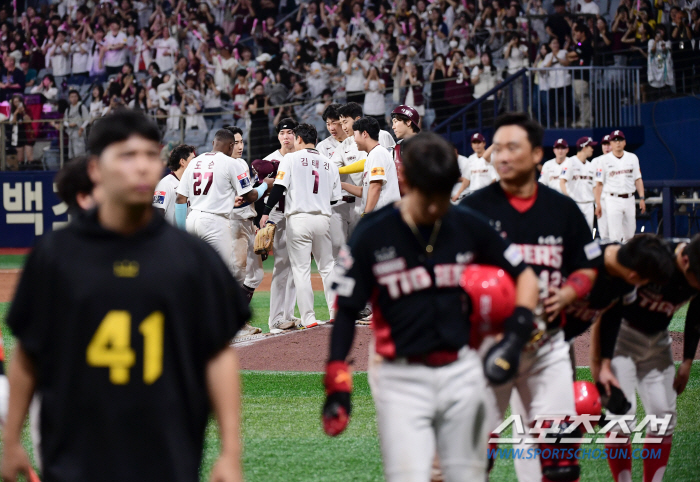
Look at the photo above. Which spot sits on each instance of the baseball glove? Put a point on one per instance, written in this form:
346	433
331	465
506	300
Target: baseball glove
264	239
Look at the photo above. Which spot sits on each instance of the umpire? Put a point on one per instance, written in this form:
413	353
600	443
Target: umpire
428	385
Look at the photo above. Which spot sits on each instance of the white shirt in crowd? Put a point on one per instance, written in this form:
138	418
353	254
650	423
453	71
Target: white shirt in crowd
213	180
589	7
463	163
115	58
312	182
579	179
556	78
618	174
164	196
380	167
487	81
517	59
166	50
551	170
81	57
355	81
374	98
58	60
480	173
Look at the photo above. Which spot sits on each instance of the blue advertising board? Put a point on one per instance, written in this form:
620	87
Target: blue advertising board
30	208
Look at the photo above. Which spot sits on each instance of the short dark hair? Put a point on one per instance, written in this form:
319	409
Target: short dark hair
649	256
73	91
118	127
331	112
368	125
429	164
351	109
179	153
692	250
73	179
535	132
307	132
234	130
225	135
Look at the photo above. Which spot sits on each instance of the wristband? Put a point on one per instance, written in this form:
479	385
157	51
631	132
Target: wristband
338	377
261	189
580	283
181	215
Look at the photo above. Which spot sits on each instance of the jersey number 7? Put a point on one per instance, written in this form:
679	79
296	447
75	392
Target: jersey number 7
207	176
111	346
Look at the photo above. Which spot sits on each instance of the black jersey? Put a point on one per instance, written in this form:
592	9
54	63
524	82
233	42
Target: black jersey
606	290
418	305
120	330
552	234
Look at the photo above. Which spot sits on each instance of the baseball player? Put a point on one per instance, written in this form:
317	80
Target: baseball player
620	177
551	170
457	193
576	179
602	213
165	193
380	182
312	183
427	383
405	122
113	347
552	236
328	145
636	353
479	172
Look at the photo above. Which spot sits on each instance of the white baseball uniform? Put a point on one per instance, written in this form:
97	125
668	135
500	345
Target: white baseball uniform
164	196
243	233
597	166
211	182
550	174
312	182
480	173
463	167
579	185
327	146
379	166
283	294
618	176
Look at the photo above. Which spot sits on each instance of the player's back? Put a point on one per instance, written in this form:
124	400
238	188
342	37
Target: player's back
551	170
380	167
210	181
312	182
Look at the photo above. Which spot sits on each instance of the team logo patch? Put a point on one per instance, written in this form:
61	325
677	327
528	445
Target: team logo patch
243	180
377	171
280	175
159	197
513	255
592	250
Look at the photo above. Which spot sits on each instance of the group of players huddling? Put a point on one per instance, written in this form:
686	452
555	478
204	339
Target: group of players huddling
473	306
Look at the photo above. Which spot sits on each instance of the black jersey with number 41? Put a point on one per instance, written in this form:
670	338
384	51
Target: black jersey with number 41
552	234
120	330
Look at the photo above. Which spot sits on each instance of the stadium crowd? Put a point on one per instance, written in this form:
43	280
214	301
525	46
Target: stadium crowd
263	60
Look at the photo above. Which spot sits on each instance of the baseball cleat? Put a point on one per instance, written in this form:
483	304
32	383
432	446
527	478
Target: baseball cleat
281	326
248	330
301	326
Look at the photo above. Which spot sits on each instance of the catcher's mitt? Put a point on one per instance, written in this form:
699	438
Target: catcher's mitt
264	239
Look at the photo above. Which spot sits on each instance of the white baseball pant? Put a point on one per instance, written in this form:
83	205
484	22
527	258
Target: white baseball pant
242	233
215	229
283	293
622	221
254	272
343	221
603	229
588	210
310	234
644	363
422	409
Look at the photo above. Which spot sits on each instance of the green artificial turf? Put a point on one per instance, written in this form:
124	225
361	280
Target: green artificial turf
678	321
12	261
260	306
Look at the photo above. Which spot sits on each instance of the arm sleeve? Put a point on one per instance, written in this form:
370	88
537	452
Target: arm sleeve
343	334
353	280
692	329
355	167
609	328
275	196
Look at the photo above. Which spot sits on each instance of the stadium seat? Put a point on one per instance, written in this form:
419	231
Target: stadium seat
195	137
40	75
171	136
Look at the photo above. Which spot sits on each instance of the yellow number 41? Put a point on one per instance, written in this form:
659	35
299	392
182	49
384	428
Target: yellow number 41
111	346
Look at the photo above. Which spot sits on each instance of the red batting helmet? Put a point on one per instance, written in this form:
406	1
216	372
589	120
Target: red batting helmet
492	294
587	398
407	111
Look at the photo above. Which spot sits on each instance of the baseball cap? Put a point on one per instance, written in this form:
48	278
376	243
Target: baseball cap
478	138
617	135
561	143
286	123
605	140
407	111
265	168
585	142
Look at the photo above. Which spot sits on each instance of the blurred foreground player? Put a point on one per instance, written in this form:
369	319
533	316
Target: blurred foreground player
128	354
427	383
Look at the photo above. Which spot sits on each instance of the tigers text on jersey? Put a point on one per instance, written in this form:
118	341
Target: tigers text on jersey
550	174
327	146
480	173
618	174
312	182
120	343
579	179
418	306
380	167
213	180
164	196
552	234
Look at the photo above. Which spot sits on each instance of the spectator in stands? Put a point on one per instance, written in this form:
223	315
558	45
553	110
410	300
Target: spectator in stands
374	97
438	78
660	69
682	49
559	81
166	50
541	90
581	56
516	54
47	88
141	55
355	70
18	131
58	59
602	42
484	77
556	25
97	105
80	55
115	48
141	100
619	28
98	71
29	73
12	79
588	7
75	121
412	81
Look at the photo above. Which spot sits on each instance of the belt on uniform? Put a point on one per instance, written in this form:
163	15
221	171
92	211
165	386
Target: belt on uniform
349	199
584	202
435	359
625	196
